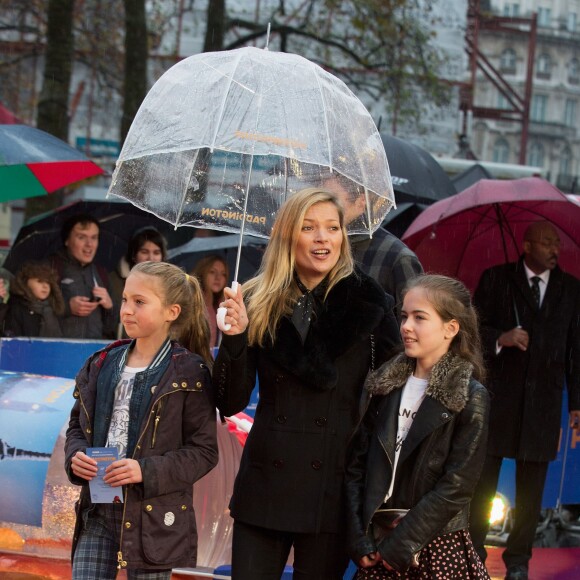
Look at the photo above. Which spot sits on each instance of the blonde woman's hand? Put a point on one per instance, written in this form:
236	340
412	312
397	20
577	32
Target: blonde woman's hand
236	314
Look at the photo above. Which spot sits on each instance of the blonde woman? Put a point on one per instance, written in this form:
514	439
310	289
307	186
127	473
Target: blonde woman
312	328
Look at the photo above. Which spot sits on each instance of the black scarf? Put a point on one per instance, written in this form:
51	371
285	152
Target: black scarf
307	306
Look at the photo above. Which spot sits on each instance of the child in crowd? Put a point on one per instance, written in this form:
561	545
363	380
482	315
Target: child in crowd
418	452
35	303
150	398
212	273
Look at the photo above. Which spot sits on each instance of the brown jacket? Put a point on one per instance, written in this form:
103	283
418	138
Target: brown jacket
176	446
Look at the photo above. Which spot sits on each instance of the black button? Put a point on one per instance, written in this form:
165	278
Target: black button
316	464
279	378
320	421
444	416
278	463
281	419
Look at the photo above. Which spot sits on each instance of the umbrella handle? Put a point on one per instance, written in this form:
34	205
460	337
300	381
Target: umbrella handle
221	312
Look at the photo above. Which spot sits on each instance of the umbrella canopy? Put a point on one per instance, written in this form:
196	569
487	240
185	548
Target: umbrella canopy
222	139
417	176
40	237
470	177
482	226
34	163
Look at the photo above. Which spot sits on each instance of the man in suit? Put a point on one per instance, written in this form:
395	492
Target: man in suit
530	325
384	257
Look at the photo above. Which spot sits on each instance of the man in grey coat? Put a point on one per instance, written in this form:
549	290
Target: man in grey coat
530	324
84	284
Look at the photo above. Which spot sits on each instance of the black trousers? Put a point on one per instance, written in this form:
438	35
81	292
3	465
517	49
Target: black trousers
260	554
530	480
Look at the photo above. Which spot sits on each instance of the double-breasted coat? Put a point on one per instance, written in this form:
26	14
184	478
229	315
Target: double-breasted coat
526	386
291	472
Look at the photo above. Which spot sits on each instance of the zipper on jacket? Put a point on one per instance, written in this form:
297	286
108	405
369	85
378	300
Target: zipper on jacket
120	562
156	424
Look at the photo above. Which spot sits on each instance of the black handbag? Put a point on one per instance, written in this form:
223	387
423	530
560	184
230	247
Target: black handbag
384	521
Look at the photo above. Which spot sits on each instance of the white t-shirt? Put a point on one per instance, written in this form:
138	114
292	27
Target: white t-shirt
119	427
411	398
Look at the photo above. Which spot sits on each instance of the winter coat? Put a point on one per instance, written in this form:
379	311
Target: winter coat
291	471
175	445
526	386
21	319
439	464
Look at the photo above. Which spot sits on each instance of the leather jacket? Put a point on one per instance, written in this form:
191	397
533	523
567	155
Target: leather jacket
439	464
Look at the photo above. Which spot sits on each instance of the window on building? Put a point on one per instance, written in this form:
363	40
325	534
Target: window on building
544	16
570	113
511	9
544	66
501	151
574	72
572	23
507	61
502	102
536	155
539	107
566	162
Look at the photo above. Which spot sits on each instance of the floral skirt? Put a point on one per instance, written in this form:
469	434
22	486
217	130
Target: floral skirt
447	557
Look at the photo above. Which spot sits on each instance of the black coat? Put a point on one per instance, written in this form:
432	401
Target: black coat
526	387
21	320
439	464
291	472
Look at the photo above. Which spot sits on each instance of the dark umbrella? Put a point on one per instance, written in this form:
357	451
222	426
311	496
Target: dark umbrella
470	177
40	237
418	181
484	225
34	163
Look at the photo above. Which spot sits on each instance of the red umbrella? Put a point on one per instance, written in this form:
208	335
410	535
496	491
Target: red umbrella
34	163
482	226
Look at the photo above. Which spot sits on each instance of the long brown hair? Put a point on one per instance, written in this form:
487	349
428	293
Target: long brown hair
41	271
272	292
191	328
452	301
201	270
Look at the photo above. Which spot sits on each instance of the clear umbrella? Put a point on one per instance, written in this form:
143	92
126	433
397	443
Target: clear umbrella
222	139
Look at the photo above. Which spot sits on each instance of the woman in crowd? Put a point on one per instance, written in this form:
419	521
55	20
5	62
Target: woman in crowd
312	328
212	273
146	245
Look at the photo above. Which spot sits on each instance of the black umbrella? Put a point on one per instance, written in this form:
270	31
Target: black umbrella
40	237
418	181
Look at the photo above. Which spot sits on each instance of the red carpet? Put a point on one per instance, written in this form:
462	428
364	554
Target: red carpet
546	564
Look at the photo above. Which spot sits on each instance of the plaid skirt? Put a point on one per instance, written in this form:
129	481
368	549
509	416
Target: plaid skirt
447	557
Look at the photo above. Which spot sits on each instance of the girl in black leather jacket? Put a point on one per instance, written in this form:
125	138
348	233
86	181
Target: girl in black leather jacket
417	454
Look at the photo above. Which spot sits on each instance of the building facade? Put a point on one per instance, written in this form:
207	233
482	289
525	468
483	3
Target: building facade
554	111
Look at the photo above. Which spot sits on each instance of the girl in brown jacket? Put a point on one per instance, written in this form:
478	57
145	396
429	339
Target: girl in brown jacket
149	398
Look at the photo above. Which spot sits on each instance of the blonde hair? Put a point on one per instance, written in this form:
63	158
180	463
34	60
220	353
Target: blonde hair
272	294
452	301
191	328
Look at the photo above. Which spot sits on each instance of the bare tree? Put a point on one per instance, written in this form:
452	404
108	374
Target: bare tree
136	55
216	25
380	47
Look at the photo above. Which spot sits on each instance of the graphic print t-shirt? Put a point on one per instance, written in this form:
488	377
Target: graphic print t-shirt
411	399
119	428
